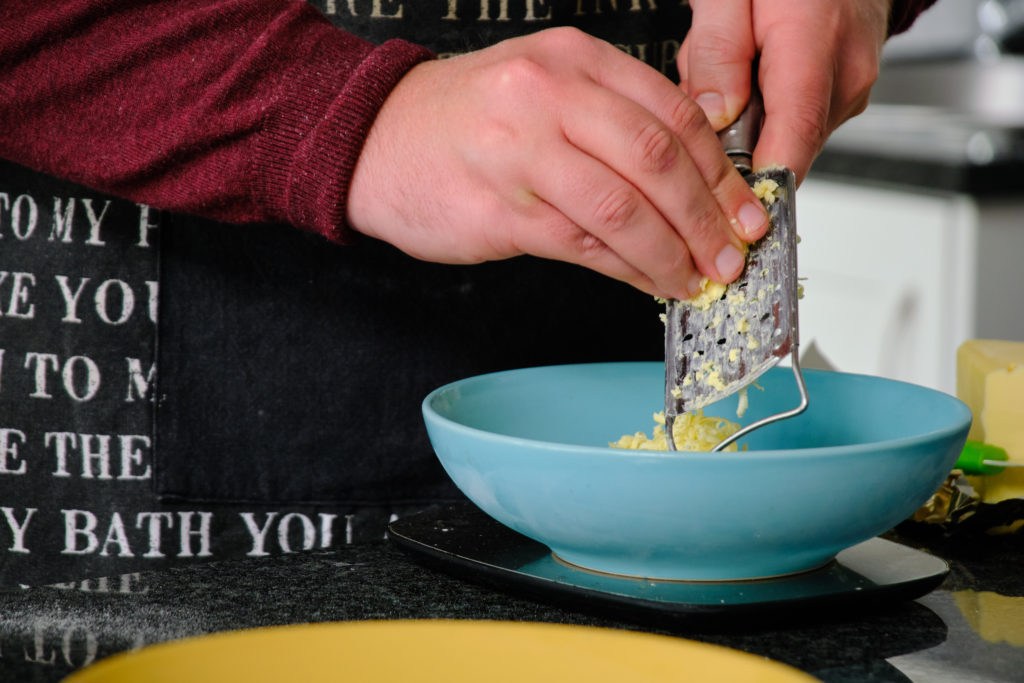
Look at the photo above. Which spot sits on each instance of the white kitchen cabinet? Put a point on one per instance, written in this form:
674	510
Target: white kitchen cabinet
897	278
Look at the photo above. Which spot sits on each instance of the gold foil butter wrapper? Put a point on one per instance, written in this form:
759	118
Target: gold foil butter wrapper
956	508
954	502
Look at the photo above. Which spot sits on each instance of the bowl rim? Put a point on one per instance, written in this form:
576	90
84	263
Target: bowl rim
429	413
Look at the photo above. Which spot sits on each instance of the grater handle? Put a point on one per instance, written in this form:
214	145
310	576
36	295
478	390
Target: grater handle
740	137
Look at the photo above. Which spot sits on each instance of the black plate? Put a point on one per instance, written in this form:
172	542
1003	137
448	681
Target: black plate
463	540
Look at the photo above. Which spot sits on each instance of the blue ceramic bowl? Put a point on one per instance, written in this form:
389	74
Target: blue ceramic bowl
530	448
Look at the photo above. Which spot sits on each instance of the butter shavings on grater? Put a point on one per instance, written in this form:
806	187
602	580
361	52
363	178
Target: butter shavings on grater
715	344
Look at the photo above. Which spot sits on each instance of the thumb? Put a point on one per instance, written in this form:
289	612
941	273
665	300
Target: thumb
715	59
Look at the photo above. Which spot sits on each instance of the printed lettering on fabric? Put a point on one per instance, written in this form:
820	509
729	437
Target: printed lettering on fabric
109	466
79	306
79	287
649	30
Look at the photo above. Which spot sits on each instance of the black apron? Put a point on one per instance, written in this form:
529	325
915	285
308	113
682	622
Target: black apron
286	412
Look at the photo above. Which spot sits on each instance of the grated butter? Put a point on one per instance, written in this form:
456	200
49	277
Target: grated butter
691	432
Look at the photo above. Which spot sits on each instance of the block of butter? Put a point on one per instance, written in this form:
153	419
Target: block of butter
990	380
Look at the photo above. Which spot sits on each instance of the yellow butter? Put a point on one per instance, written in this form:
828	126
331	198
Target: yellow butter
990	380
710	292
766	190
691	432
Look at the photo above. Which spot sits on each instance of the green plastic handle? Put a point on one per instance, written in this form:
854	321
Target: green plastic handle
976	458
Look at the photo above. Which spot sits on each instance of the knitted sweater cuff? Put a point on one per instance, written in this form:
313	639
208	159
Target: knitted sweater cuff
316	130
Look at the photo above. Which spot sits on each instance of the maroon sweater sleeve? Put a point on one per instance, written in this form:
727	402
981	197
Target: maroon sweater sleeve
905	12
238	110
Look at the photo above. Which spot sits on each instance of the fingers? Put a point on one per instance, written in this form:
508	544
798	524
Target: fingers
645	92
797	87
611	213
810	84
560	146
561	239
689	211
715	59
818	63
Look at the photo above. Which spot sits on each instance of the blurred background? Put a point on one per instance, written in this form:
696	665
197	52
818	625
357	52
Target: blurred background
912	219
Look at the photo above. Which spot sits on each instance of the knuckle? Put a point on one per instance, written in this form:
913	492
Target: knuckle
491	136
615	211
589	247
501	235
868	73
520	74
858	107
568	36
573	242
564	40
723	179
685	117
862	77
655	148
704	226
677	265
809	119
712	48
856	76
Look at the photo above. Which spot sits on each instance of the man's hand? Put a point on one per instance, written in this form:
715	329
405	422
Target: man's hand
558	145
818	61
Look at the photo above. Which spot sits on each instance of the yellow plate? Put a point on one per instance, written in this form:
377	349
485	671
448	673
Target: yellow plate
436	650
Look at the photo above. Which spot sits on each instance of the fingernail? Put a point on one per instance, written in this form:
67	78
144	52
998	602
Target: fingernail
752	217
693	286
713	105
729	262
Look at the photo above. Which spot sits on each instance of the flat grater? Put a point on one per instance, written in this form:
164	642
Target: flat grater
724	339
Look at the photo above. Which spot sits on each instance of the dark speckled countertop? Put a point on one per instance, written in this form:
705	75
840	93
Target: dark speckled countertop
969	629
